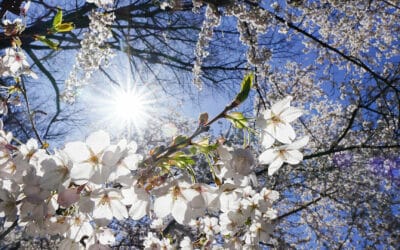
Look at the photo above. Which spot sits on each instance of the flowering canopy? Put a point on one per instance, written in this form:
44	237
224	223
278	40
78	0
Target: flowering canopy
337	61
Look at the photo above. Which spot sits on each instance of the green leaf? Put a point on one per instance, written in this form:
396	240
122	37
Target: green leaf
181	160
245	88
180	141
58	18
237	119
204	146
14	89
64	27
193	150
48	42
203	142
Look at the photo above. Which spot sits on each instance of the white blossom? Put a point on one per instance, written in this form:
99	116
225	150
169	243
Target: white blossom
289	153
276	123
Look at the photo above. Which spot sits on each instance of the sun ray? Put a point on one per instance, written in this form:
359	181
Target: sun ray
123	106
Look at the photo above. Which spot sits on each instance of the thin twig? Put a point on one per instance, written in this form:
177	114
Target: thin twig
30	115
8	230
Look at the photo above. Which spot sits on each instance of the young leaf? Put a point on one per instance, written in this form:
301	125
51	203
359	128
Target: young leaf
182	161
180	141
13	89
244	88
237	119
204	146
59	26
58	18
48	42
64	27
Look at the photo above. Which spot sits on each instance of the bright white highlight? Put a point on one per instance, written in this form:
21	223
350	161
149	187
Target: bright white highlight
124	102
130	106
124	108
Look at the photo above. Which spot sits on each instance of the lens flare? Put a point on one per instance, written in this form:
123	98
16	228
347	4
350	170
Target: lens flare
123	109
129	107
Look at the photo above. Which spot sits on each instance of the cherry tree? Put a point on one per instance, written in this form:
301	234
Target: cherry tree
316	164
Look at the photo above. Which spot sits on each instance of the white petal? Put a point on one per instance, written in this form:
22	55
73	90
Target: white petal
53	175
179	210
102	212
267	140
80	173
267	114
98	141
119	171
68	197
291	114
106	237
198	202
224	153
189	194
293	157
139	209
281	105
111	156
100	174
299	143
132	161
79	228
119	210
132	146
285	133
163	205
261	122
77	151
268	156
274	166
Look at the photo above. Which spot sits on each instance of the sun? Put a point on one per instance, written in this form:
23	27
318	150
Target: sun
130	106
125	101
124	108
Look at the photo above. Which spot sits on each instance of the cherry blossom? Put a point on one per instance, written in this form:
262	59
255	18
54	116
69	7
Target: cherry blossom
79	226
178	201
101	3
108	204
139	199
68	197
16	64
8	205
56	171
186	243
275	122
236	164
289	153
152	242
88	158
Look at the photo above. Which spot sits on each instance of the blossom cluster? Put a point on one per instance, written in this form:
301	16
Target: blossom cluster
102	3
250	23
14	62
275	125
93	52
77	191
212	20
68	193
